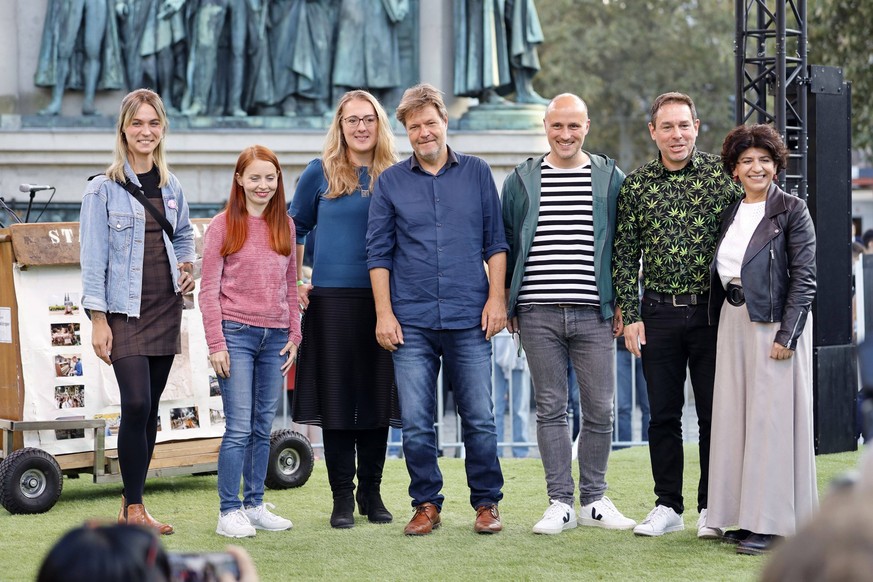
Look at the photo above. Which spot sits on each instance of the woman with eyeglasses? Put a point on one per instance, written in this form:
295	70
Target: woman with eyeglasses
345	381
762	466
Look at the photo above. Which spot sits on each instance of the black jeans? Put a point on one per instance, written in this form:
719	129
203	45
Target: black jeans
676	338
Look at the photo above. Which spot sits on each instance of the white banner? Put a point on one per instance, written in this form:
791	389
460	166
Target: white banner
63	378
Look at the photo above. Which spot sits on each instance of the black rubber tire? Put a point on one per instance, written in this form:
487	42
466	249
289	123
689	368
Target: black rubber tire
30	481
291	460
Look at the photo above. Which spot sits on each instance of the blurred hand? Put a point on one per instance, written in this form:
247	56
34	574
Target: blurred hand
388	332
291	350
635	337
220	363
780	352
247	571
303	295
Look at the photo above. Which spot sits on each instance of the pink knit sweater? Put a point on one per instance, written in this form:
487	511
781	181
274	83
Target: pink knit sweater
255	285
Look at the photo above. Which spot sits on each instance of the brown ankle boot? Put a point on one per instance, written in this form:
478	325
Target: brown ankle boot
164	529
136	514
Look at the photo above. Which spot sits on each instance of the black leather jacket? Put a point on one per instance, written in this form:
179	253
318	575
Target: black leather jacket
778	272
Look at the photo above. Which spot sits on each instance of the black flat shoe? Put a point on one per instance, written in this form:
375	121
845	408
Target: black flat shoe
757	544
735	536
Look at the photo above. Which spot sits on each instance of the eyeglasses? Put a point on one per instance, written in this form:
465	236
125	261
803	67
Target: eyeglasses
352	121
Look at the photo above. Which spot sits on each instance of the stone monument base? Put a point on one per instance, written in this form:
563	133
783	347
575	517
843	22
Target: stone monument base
512	116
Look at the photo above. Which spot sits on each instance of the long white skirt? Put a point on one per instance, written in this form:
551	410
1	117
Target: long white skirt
762	461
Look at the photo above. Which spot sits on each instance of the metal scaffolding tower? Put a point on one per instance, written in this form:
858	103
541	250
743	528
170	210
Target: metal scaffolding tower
772	77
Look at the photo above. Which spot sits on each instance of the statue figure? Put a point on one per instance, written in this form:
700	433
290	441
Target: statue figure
74	27
302	40
367	54
495	50
203	61
153	38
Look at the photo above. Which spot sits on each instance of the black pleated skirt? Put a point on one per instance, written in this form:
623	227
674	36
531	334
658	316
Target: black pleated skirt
345	380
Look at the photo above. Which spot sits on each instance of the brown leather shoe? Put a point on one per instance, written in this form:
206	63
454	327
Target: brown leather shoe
162	528
425	519
487	520
136	514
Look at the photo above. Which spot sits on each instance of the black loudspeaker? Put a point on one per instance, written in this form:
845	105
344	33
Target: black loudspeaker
829	173
835	392
830	203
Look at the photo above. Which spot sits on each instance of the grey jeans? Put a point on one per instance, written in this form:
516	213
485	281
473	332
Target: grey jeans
552	335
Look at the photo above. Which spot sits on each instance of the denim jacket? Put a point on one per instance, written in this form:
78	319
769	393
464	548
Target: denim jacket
112	235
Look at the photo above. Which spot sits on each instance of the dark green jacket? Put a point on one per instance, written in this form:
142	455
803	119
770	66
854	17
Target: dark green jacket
521	209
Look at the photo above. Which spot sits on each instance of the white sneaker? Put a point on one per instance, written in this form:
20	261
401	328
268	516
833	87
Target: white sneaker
707	533
235	524
660	520
261	518
558	517
602	513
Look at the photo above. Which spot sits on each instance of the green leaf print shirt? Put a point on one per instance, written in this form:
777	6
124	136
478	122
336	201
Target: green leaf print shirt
671	219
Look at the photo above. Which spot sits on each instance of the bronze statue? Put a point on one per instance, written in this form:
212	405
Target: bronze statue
495	50
70	24
367	54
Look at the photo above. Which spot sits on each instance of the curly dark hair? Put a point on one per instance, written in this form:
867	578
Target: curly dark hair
759	136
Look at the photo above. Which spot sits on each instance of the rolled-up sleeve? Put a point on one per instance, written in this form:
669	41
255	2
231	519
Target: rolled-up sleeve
380	226
493	233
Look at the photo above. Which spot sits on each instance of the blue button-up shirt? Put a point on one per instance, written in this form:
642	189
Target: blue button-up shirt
433	233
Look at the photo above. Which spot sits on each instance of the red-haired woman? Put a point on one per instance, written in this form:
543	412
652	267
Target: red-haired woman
248	299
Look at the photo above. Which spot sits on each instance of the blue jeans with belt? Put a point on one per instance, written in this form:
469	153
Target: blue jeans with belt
250	394
466	355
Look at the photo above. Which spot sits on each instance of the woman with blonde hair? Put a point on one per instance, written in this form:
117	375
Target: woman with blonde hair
252	322
345	381
137	253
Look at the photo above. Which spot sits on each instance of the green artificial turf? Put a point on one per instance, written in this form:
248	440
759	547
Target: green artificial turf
314	551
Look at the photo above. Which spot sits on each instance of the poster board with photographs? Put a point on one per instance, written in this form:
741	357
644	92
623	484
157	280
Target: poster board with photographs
64	379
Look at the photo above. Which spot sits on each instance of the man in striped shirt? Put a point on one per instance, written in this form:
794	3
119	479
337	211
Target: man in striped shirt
559	216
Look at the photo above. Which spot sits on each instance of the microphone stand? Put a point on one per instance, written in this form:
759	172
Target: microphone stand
29	205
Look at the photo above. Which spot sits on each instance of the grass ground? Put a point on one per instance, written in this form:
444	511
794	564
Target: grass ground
314	551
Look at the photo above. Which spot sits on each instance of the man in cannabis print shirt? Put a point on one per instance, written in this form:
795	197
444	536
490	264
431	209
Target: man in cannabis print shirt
668	215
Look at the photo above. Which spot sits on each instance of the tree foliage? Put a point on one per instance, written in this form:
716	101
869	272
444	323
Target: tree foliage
839	33
619	55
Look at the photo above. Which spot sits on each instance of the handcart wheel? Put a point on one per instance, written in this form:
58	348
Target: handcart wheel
30	481
291	460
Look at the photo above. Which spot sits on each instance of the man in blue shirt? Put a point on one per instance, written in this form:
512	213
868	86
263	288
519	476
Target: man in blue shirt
434	218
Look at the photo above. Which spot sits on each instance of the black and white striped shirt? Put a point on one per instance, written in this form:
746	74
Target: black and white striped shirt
560	265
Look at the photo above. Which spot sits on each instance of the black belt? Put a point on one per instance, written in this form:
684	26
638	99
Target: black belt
735	295
685	300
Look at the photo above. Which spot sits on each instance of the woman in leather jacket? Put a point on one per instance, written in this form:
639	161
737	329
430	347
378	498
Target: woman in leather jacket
762	467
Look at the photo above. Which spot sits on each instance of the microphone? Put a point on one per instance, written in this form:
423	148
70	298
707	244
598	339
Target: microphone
34	188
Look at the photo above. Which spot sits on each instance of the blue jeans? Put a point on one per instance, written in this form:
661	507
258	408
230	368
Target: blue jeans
551	334
250	396
467	358
625	390
520	393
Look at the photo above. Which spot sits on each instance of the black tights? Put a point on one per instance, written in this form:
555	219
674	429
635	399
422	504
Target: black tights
141	381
